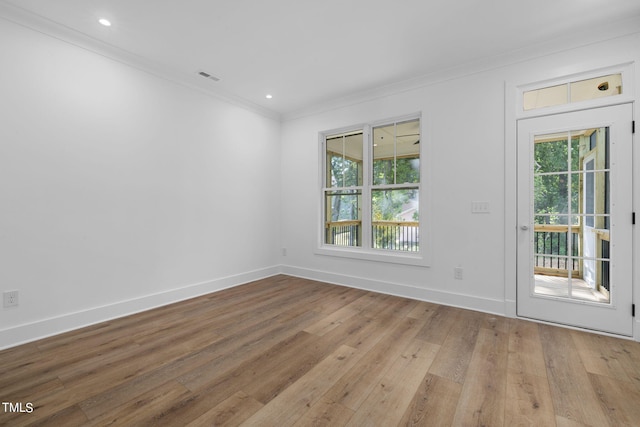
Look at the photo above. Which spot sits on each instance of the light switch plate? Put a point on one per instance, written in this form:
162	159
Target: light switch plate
480	207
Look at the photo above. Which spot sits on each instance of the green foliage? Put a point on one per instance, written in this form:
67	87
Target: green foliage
405	170
345	172
387	204
345	206
552	172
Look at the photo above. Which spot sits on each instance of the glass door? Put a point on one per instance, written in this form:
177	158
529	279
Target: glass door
574	212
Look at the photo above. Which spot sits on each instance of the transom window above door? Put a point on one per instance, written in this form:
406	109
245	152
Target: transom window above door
573	91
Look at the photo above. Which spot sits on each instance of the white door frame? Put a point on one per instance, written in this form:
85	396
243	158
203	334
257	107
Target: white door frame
614	316
551	71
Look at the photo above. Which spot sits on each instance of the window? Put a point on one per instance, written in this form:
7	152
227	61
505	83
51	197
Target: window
371	189
574	91
396	186
343	192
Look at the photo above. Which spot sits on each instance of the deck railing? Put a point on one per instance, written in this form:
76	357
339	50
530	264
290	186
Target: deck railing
603	239
551	246
393	235
343	233
396	235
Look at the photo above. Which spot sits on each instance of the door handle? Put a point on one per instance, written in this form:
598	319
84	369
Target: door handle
524	227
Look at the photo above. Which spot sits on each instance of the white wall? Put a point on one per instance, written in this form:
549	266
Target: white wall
464	153
470	153
120	191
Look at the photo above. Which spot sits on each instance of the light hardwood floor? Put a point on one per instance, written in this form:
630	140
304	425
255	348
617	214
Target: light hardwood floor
287	351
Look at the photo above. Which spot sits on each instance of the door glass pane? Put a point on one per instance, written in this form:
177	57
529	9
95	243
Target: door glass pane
589	194
576	191
575	153
551	154
550	194
571	215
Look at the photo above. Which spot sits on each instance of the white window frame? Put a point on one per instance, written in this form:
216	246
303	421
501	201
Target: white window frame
625	70
366	251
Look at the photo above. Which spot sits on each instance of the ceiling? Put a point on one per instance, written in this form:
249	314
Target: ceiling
307	52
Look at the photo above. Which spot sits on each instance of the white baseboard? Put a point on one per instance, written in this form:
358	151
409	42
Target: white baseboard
470	302
44	328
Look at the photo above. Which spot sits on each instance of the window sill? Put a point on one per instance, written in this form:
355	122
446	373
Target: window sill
405	258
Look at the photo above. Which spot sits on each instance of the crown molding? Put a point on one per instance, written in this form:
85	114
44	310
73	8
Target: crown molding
40	24
47	27
576	40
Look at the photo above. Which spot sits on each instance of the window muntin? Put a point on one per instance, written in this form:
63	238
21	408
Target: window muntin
388	194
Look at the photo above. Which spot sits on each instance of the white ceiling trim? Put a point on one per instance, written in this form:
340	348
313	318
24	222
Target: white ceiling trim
579	39
606	31
68	35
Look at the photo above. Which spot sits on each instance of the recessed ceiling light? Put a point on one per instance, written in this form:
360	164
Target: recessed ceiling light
105	22
268	96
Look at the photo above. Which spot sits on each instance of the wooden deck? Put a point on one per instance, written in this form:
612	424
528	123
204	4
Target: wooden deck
559	287
286	351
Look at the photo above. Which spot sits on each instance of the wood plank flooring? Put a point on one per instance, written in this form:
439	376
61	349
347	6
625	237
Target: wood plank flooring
286	351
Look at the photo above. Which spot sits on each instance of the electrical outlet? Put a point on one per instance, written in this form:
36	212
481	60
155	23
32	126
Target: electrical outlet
457	273
10	299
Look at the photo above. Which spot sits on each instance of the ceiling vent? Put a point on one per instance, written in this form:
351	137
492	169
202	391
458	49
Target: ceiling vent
208	76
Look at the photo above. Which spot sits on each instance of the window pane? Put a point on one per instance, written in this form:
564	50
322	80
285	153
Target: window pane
390	191
395	217
396	153
599	87
383	171
344	205
343	221
344	160
576	91
545	97
408	170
